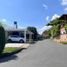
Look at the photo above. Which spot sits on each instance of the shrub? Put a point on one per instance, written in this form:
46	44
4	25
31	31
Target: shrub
34	32
2	39
65	27
54	31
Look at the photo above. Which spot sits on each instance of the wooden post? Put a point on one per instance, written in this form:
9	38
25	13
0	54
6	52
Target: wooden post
30	38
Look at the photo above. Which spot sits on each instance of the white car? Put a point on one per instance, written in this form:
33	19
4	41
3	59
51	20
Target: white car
16	38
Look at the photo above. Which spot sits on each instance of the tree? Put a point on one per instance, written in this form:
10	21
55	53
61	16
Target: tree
54	31
34	31
15	23
46	34
53	22
65	27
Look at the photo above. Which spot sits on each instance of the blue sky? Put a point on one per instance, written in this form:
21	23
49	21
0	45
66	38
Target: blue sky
31	12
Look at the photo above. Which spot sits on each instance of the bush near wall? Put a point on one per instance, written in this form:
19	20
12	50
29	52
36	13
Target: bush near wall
2	39
65	27
54	31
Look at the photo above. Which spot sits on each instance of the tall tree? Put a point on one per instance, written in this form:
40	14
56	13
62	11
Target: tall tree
15	23
55	30
54	22
34	31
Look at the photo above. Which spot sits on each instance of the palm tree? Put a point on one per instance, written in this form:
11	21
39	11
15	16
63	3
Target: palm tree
15	23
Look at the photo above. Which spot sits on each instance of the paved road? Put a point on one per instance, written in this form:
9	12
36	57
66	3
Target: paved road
42	54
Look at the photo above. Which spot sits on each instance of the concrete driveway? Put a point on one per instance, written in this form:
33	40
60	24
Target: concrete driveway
18	45
45	53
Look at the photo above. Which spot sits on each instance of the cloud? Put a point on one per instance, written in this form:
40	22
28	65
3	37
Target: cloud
55	16
45	6
64	2
65	9
4	20
47	18
44	28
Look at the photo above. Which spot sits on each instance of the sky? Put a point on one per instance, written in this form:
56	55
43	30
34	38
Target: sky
35	13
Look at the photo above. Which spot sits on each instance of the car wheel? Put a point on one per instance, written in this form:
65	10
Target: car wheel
21	41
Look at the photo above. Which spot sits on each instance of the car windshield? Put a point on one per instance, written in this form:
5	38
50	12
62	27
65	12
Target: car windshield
14	36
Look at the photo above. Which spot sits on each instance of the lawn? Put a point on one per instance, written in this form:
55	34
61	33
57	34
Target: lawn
10	51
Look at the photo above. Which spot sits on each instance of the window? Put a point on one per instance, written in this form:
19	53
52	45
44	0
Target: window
14	36
22	35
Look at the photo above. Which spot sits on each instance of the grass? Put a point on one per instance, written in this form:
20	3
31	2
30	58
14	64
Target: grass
64	42
9	51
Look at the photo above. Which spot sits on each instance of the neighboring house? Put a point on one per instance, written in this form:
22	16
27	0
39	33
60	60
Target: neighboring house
9	30
63	33
62	30
46	34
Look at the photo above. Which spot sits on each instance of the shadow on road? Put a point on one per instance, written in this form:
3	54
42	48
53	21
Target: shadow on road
6	59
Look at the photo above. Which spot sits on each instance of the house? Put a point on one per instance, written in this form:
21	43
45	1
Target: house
9	30
63	21
63	33
46	34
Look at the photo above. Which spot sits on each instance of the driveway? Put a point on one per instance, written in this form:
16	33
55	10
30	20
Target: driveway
18	45
44	53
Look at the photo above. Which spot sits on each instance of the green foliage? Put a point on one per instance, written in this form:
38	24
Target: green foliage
54	22
65	43
54	31
15	23
34	31
2	39
65	27
56	27
10	49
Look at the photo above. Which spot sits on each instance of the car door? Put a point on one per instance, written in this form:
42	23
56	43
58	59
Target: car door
15	38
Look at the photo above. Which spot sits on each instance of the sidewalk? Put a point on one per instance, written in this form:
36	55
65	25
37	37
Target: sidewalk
18	45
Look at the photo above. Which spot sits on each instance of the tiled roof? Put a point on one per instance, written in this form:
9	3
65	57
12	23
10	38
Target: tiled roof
63	17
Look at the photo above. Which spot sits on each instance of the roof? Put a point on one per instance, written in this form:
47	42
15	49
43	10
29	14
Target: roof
10	28
13	29
63	17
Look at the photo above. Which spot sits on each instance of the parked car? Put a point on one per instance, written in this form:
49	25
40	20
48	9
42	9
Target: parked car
16	38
